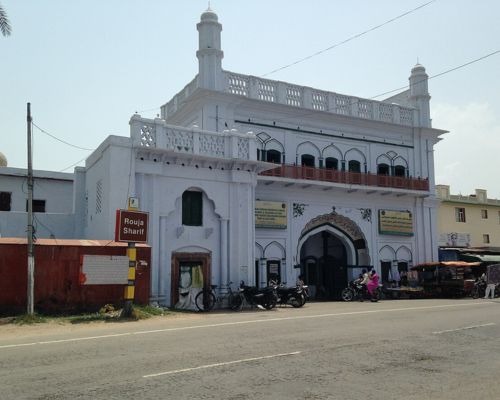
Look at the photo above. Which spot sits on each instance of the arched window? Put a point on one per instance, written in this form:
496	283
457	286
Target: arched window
332	163
273	156
192	208
399	170
307	160
382	169
354	166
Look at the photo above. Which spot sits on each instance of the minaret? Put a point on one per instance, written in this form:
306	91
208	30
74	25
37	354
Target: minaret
209	53
419	94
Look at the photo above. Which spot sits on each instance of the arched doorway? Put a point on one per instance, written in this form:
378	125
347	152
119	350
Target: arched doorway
327	275
331	249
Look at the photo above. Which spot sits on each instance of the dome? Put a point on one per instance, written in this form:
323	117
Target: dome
418	68
3	160
209	15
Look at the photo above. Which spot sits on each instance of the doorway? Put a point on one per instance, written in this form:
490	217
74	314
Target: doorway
324	261
190	272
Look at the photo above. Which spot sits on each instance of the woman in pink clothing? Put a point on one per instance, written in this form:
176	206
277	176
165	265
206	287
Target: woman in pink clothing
372	285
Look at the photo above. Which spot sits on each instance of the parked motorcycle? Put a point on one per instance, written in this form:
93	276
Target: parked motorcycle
265	297
290	295
479	289
356	291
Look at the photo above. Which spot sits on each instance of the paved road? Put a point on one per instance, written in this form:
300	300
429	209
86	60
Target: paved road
419	349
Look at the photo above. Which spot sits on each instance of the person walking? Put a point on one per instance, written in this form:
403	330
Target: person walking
490	287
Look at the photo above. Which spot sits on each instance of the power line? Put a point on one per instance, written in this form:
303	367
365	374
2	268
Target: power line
299	115
60	140
440	74
72	165
349	39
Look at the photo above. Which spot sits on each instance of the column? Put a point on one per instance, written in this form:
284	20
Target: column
223	272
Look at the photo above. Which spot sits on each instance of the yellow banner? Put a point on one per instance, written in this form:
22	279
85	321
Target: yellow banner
395	222
270	214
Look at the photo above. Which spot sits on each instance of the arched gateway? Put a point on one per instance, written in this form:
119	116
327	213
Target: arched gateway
330	246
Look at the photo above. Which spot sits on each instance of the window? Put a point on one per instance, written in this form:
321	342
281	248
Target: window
331	163
192	208
486	238
5	199
484	214
273	156
400	171
460	214
38	205
382	169
499	217
307	160
354	166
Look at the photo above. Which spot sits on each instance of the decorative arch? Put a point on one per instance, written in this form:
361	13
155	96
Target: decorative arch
263	137
178	201
399	160
274	144
274	151
387	253
331	151
259	251
383	159
192	249
274	250
345	229
403	253
355	155
308	148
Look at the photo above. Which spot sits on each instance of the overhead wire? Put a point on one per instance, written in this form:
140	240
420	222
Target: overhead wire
356	98
72	165
348	39
60	140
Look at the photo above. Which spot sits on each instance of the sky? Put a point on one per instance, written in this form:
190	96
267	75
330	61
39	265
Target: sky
87	65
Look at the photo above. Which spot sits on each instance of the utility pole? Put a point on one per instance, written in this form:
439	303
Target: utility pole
31	253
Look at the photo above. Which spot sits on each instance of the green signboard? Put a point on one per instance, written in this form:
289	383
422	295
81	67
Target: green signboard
395	222
270	214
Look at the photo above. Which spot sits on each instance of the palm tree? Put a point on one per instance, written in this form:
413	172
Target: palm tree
4	22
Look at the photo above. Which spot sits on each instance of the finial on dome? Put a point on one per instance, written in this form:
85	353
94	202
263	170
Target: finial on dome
209	14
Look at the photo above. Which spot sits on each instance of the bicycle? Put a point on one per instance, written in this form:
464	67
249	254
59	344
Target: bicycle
207	298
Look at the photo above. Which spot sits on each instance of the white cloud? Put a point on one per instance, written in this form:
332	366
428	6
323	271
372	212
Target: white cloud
469	156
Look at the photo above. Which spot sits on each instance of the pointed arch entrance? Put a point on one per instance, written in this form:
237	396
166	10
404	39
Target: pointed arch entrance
328	249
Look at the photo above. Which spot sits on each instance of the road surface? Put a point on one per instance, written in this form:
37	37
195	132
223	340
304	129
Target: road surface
405	349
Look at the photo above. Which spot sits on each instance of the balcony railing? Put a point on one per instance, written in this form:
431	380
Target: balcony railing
352	178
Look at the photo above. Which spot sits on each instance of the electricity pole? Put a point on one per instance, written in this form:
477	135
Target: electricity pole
31	254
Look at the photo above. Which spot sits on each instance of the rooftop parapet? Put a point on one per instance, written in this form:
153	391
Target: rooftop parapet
157	134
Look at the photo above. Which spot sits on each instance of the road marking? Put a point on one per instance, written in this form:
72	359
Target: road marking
464	328
256	321
177	371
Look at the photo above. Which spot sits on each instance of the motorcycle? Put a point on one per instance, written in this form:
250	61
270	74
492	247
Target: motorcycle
290	295
356	291
479	289
265	297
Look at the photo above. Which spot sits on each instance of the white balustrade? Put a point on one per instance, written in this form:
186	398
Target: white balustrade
300	96
156	134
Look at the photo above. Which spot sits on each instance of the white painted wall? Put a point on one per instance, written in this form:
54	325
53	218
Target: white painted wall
55	188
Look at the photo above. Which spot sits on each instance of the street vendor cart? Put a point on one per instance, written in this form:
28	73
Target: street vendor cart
448	278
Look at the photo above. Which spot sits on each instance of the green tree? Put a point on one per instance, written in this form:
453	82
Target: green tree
4	22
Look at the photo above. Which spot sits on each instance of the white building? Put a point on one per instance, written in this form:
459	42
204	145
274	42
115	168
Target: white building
52	203
337	182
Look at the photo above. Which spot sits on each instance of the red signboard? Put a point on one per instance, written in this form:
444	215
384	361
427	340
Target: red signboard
131	226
